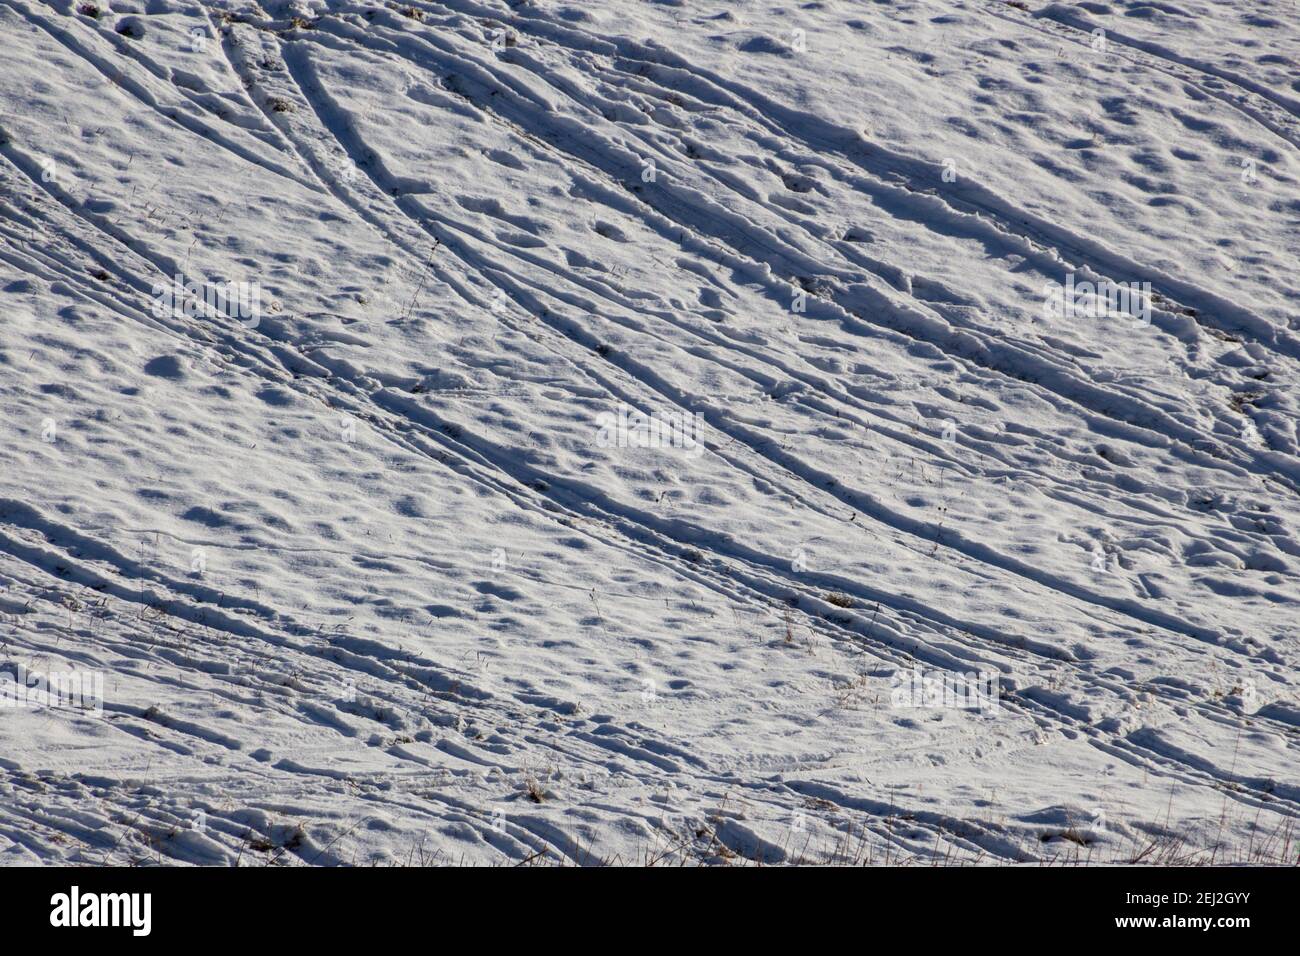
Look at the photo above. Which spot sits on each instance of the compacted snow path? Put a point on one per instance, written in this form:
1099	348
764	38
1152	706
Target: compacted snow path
624	414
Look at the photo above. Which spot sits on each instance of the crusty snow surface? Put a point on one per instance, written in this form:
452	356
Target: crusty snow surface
371	579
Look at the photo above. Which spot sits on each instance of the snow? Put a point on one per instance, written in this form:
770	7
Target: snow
395	569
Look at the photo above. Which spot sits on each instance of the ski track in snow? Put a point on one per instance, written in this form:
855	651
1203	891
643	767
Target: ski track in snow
365	587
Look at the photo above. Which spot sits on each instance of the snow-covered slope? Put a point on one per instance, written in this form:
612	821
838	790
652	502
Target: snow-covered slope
378	570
